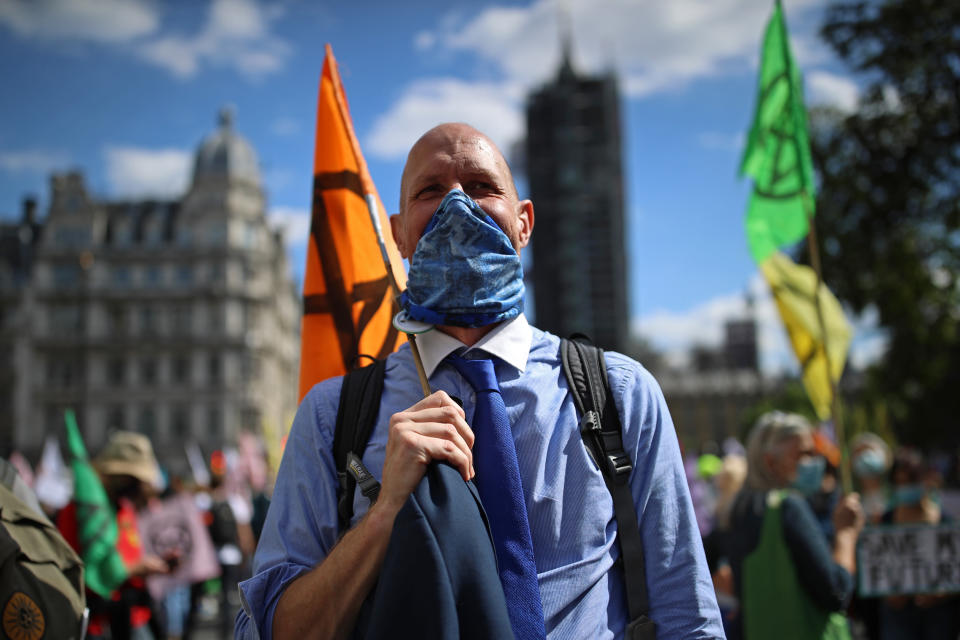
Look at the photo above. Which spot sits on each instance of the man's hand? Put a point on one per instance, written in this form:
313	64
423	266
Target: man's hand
433	429
324	602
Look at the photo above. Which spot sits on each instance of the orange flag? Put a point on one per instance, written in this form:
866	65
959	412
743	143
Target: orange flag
347	297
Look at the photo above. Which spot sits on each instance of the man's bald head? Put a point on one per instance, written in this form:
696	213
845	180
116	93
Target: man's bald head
457	156
452	135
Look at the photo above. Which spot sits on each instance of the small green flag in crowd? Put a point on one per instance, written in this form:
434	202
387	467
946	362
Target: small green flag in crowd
96	521
777	155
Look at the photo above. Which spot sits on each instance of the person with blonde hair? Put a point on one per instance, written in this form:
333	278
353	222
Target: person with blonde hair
790	583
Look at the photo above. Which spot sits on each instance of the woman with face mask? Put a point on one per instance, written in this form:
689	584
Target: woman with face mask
790	582
870	458
913	501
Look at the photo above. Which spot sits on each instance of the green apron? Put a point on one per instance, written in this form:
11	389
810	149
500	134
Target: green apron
775	606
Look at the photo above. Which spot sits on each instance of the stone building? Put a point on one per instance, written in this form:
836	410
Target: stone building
174	318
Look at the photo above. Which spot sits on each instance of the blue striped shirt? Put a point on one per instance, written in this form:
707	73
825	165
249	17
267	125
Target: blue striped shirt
569	508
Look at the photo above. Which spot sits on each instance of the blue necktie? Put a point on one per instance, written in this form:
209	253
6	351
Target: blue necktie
498	482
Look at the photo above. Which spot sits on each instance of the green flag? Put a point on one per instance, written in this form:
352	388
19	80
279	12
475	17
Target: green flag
777	156
96	521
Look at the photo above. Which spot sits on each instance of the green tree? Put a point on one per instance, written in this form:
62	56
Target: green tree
888	211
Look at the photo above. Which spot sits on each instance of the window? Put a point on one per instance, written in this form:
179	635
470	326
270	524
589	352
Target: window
72	237
251	317
215	318
153	233
152	276
116	372
148	371
216	235
117	320
213	368
179	423
181	319
120	276
66	276
63	371
147	421
184	275
116	420
66	319
180	370
251	367
215	273
148	320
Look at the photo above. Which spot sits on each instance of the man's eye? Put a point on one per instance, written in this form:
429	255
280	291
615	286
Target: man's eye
428	190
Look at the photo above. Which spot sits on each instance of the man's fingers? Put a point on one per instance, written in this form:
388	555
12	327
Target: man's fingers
446	431
450	414
447	450
435	400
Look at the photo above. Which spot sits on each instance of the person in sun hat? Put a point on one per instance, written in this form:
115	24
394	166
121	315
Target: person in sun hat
129	472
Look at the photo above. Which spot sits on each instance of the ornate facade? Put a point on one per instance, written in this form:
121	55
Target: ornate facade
177	319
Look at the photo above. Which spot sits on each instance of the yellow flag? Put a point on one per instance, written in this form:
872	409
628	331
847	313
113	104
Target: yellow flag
793	288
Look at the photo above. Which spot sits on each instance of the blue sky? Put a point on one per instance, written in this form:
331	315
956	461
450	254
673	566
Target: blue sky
126	89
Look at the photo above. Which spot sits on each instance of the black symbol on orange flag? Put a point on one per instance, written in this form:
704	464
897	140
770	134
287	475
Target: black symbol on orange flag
338	300
784	183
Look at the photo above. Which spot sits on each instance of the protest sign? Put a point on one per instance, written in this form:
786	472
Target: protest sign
908	559
174	527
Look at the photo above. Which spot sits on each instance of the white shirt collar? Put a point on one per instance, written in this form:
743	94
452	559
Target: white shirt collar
510	341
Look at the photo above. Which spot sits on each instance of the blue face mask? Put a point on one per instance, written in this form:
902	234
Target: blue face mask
809	475
909	494
464	271
869	463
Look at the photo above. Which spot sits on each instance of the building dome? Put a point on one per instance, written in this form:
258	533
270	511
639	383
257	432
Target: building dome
225	155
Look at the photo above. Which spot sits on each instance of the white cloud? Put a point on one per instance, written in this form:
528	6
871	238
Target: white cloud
237	34
160	173
295	223
676	333
104	21
33	160
285	126
424	41
828	88
493	108
654	46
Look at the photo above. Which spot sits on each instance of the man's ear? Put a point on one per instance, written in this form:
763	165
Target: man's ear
396	228
525	223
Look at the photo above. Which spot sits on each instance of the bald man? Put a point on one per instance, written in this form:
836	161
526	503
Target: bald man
307	584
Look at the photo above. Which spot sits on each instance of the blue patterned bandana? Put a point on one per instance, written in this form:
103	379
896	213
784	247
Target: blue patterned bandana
464	271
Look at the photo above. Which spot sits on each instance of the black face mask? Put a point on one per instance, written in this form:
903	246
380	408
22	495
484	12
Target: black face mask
126	487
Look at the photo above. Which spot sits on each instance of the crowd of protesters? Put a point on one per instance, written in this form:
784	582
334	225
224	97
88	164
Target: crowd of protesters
779	533
185	540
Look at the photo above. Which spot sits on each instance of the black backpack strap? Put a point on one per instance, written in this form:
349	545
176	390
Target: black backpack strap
356	415
585	369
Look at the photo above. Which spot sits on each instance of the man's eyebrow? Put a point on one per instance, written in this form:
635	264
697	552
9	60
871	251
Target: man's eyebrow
422	180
